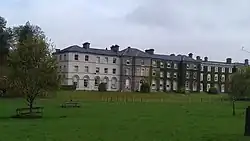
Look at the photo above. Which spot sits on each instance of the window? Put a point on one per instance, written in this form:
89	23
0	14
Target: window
154	63
86	58
127	83
222	88
138	71
208	87
114	71
187	85
64	68
161	74
98	59
142	62
175	75
222	69
97	81
76	68
175	66
147	71
195	67
162	65
187	66
202	68
194	75
208	77
60	68
168	74
106	60
114	60
86	69
223	78
187	75
216	69
76	57
128	62
168	85
208	68
113	83
106	70
168	65
85	82
230	70
60	57
201	87
201	78
97	70
194	86
127	70
153	84
216	77
175	85
142	72
154	73
65	57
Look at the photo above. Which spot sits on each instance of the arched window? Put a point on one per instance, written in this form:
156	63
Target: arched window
113	83
97	81
106	81
76	81
86	81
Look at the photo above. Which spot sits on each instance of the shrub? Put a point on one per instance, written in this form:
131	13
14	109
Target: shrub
213	90
182	90
102	87
145	88
68	87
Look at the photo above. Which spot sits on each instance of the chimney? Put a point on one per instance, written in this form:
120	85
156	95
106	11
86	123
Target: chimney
57	50
114	48
150	51
198	58
229	60
246	62
172	54
190	55
206	59
86	45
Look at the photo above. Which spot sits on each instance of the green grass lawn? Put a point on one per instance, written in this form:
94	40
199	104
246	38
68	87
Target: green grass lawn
159	117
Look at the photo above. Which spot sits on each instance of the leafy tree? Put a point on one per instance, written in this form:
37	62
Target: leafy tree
33	69
5	41
240	83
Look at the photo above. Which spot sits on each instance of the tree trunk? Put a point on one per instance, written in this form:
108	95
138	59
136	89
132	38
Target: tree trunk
31	105
233	107
247	122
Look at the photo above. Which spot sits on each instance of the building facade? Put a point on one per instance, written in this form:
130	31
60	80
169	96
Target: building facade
126	70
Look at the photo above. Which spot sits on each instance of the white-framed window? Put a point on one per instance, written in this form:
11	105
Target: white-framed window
114	60
106	70
202	68
195	75
201	77
187	66
161	64
113	83
175	85
142	71
76	57
127	83
85	82
195	67
222	88
138	71
216	77
208	77
208	87
208	68
60	57
142	62
64	68
114	71
161	84
161	74
175	75
187	85
86	69
97	70
215	69
168	75
187	75
98	59
127	71
175	66
127	62
168	85
168	65
230	70
147	71
223	78
194	86
97	81
154	63
86	58
222	69
106	60
76	68
201	87
154	72
153	84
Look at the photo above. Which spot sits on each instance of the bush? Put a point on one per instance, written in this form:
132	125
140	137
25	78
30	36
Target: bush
213	90
145	88
102	87
182	90
68	87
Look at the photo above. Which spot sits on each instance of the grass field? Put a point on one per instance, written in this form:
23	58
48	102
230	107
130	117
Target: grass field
154	117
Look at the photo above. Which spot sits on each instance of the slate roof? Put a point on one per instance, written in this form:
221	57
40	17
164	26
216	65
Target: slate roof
78	49
174	58
133	52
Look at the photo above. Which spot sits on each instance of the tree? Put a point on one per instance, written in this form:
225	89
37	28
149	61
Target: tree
33	69
240	84
5	41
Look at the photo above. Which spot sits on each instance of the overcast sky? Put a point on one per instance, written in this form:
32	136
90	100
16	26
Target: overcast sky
214	28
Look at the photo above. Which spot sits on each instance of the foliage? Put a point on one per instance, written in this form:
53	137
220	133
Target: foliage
102	87
240	83
68	87
213	90
182	90
145	88
33	70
